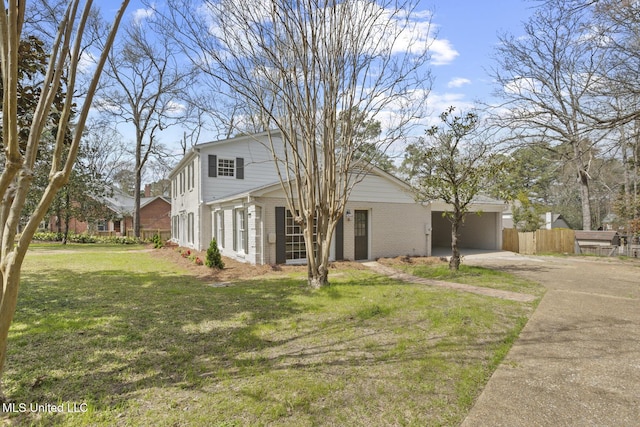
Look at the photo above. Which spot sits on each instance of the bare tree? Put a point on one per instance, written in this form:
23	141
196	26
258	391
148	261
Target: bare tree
145	84
298	65
17	175
620	21
547	78
105	150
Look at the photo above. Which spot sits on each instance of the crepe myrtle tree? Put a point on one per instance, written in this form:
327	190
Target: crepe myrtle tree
63	67
313	71
453	164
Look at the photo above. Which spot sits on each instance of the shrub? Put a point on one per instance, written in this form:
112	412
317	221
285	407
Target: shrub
49	236
214	259
84	238
157	241
81	238
119	240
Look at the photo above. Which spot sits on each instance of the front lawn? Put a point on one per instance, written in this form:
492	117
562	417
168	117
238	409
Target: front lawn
433	268
127	337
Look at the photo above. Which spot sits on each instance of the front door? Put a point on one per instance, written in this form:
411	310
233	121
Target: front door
361	235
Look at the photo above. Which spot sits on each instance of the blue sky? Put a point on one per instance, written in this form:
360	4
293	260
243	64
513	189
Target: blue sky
469	29
461	56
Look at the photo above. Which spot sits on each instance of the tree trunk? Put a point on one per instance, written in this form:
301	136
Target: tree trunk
586	203
136	197
10	271
319	278
454	262
318	263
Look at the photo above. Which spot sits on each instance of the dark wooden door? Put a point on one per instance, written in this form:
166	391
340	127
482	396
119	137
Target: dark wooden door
361	234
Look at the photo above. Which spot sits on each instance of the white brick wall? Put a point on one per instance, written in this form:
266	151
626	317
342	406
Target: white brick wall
394	229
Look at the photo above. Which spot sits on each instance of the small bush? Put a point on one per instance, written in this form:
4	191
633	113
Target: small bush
213	258
157	241
81	238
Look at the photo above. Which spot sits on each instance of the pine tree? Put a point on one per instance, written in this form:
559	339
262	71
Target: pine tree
214	259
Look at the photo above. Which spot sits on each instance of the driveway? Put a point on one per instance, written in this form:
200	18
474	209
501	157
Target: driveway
577	361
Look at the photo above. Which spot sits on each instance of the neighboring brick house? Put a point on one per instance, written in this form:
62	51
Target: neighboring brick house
230	190
154	215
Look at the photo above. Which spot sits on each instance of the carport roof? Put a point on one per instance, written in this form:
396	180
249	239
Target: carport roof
480	203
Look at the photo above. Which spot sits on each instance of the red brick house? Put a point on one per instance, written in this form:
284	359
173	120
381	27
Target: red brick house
154	215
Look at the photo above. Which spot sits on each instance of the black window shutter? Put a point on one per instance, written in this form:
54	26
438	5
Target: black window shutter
239	168
281	238
213	165
340	240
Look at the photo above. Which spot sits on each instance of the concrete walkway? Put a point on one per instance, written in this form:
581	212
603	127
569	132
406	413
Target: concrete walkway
577	361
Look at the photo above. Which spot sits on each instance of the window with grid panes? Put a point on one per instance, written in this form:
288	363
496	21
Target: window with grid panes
295	246
226	167
241	230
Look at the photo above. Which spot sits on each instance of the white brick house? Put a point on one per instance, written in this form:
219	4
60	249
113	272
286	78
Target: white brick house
229	190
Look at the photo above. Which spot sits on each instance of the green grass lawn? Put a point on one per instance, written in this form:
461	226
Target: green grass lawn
470	275
134	340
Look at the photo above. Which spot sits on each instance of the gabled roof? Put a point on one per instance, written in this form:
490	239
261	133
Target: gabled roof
122	204
236	139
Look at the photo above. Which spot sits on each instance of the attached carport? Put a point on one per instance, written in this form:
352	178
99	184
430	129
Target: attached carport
482	228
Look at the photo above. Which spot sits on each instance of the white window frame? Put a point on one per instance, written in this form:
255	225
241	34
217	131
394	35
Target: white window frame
241	229
175	233
190	176
226	167
296	249
190	228
219	227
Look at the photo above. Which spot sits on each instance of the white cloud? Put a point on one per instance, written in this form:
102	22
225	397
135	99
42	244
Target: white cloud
87	62
458	82
520	85
442	52
439	102
140	15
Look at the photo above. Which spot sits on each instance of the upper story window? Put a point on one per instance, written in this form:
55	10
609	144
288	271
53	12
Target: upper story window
226	167
190	176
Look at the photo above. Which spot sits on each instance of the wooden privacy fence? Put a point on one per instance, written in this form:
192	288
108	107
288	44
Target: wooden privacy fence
558	240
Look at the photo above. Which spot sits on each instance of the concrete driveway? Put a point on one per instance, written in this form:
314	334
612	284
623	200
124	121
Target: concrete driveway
577	361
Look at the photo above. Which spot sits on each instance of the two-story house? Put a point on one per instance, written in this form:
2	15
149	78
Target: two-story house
230	190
